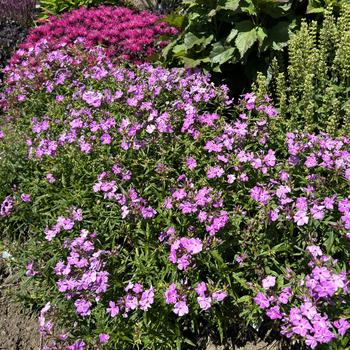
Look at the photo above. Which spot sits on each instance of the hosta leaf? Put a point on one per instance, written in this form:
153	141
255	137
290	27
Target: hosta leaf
175	20
191	63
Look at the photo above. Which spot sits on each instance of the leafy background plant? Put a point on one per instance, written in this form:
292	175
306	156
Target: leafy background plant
218	34
56	7
312	87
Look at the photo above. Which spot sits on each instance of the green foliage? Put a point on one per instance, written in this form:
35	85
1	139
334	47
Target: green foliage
220	32
55	7
319	6
312	91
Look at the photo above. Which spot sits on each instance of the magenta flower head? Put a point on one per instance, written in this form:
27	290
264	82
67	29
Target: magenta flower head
269	282
103	338
25	197
219	295
181	308
262	301
315	251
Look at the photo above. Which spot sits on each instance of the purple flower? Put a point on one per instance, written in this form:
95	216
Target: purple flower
93	98
314	250
25	197
82	307
103	338
181	308
342	325
112	310
171	294
201	288
262	301
191	163
301	218
214	172
274	313
268	282
302	327
204	302
219	295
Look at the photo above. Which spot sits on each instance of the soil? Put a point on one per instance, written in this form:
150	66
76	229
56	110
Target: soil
18	331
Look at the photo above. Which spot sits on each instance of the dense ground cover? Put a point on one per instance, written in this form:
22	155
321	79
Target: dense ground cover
150	205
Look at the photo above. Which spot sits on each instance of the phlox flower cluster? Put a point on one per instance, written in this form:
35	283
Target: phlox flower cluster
82	276
137	297
131	204
64	223
305	309
124	33
178	296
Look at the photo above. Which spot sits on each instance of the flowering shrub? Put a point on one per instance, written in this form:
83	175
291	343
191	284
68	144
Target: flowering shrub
149	216
124	33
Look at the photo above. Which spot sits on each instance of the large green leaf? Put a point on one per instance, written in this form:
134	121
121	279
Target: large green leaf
275	9
231	5
221	54
191	40
278	35
175	20
246	37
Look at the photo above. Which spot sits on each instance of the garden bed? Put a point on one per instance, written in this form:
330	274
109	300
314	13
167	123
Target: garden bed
18	330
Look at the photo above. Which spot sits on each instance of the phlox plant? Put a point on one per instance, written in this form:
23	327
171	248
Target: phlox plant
123	32
152	205
306	308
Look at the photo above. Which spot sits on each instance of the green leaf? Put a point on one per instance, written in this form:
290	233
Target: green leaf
179	50
261	35
220	54
232	35
191	63
191	40
278	35
311	9
245	40
329	242
175	20
231	5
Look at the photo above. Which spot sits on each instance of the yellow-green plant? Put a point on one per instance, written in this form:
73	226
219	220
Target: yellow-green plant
55	7
312	91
